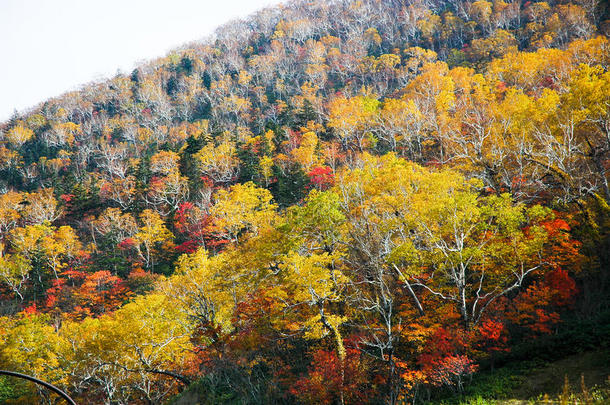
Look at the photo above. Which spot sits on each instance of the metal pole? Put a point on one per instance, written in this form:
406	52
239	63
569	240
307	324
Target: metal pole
37	381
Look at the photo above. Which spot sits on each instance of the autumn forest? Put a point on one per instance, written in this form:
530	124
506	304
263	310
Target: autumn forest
329	202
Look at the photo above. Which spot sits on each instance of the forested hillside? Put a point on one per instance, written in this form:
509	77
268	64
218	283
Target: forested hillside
332	202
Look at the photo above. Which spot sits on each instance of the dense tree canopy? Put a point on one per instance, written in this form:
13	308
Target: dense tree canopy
327	202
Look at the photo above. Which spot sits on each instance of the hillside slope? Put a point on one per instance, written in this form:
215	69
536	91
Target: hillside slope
328	202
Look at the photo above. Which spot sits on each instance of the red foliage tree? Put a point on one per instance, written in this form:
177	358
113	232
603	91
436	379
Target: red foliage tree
80	294
321	177
323	383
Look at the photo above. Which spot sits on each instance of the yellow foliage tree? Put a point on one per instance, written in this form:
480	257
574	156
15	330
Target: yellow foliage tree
18	135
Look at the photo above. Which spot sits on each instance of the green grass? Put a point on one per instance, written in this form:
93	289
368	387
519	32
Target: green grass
577	379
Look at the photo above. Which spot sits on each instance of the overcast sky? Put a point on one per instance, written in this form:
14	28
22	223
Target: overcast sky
48	47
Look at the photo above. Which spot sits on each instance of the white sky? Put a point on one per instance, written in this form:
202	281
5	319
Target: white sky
48	47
